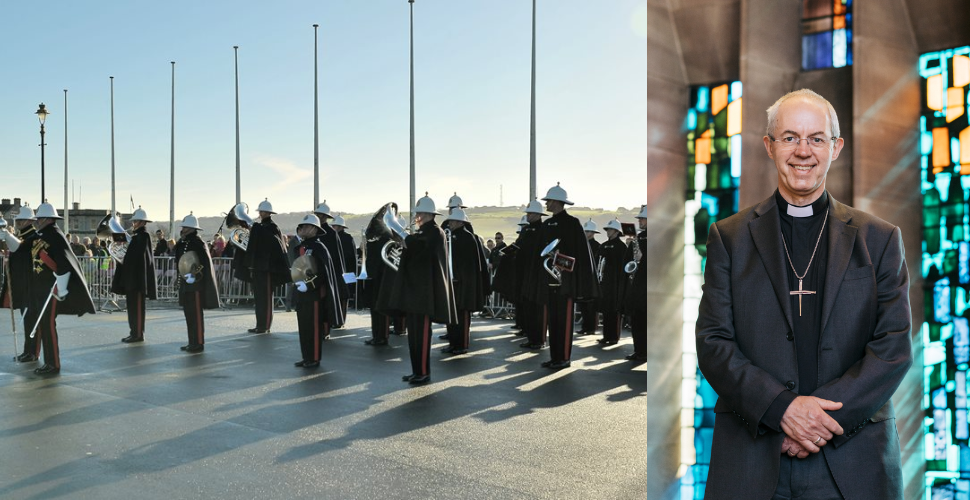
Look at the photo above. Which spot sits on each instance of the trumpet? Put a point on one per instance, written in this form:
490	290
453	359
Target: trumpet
110	230
392	250
239	223
555	262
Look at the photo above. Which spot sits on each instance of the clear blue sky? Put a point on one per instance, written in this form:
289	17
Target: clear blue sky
472	70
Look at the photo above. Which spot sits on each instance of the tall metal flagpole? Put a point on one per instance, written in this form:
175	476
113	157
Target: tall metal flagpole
411	206
316	125
67	212
113	210
235	49
171	193
532	127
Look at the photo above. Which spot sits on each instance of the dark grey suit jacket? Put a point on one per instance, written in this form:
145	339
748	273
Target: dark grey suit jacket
743	349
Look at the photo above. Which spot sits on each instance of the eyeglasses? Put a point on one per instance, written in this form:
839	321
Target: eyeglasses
789	142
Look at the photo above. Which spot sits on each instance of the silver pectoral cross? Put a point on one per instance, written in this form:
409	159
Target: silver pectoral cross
800	292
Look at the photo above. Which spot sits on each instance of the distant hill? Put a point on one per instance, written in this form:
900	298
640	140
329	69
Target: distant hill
486	220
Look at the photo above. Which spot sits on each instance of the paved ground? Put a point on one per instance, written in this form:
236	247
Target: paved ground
239	421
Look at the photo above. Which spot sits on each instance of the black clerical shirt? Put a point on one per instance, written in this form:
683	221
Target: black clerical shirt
800	235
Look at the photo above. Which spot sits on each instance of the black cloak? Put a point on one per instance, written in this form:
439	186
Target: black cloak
323	286
266	252
204	279
137	272
422	286
51	254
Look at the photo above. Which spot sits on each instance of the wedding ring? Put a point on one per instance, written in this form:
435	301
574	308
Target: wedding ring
790	454
817	440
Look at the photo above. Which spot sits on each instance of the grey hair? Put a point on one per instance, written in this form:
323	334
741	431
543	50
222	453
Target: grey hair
808	95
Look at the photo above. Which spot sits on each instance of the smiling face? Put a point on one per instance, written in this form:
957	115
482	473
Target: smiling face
802	170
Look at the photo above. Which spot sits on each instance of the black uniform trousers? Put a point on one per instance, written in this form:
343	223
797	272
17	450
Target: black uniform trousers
638	325
459	335
136	313
194	318
47	331
560	315
419	343
612	322
313	328
31	346
263	296
399	324
380	325
590	316
806	478
534	322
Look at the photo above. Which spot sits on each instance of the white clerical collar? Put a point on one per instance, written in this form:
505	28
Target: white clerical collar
805	211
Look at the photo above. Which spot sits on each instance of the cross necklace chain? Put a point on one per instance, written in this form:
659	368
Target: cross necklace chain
800	292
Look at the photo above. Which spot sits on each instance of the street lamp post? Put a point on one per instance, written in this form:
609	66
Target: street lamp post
42	116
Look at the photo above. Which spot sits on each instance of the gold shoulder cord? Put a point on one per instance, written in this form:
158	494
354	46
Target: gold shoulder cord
38	246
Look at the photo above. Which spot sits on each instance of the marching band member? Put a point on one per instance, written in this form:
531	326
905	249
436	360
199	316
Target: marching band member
335	247
20	272
348	249
197	282
422	289
266	257
528	263
636	304
613	282
588	310
56	287
468	269
317	303
381	278
557	294
135	276
504	281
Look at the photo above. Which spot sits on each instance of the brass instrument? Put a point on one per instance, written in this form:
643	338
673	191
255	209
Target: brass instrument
631	267
363	257
239	224
392	250
304	269
555	262
110	230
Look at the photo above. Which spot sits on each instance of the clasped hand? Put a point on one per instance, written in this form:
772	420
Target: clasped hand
807	426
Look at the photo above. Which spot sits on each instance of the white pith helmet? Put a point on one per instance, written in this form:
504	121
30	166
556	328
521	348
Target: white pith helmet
47	211
140	214
455	202
324	209
425	205
535	208
311	220
265	206
558	194
615	225
190	221
457	214
590	226
524	221
339	221
643	212
25	213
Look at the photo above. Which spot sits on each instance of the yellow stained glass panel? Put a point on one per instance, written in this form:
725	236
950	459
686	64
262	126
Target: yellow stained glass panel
934	92
734	117
954	103
838	22
961	71
719	99
941	147
965	147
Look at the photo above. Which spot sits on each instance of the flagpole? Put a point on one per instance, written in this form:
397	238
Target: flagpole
235	49
171	192
316	124
67	210
113	208
532	127
411	206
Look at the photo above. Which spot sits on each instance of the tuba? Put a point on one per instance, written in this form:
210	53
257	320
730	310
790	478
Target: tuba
110	230
555	262
392	250
239	223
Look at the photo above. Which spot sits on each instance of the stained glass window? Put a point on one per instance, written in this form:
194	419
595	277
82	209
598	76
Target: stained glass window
826	34
713	128
945	183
